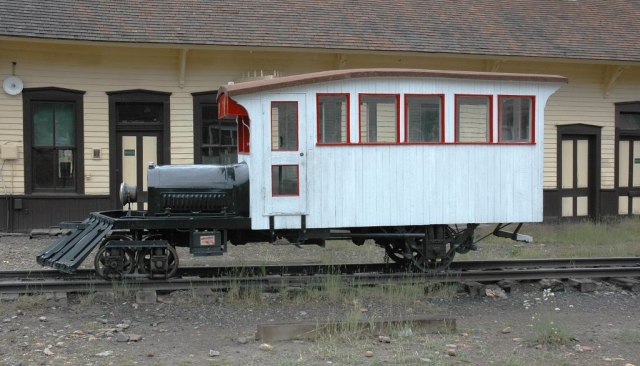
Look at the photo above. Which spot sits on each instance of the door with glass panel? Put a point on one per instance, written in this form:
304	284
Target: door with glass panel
629	176
577	176
286	188
135	151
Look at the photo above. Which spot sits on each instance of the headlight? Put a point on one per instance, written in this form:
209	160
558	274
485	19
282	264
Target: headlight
128	193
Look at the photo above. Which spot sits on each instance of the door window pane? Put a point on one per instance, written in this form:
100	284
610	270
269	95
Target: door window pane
285	180
284	126
139	113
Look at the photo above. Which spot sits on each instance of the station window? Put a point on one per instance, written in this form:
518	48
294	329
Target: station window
516	119
473	118
285	180
53	135
333	118
424	118
284	126
379	118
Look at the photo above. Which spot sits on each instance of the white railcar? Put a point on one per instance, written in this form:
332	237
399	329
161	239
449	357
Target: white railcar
391	147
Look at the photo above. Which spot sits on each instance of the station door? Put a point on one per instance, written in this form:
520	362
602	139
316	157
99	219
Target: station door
629	176
577	176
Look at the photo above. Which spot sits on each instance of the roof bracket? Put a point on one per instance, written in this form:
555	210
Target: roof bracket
341	61
183	65
492	65
611	75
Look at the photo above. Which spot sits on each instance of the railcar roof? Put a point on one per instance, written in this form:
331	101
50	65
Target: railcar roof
334	75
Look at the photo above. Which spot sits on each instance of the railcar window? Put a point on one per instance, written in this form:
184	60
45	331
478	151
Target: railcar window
285	180
333	119
473	118
284	126
424	118
379	118
516	119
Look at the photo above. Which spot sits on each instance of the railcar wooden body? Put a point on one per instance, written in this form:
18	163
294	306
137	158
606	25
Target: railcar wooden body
413	159
401	178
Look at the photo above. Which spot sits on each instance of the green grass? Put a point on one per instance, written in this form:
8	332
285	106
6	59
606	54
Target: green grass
617	238
549	329
629	336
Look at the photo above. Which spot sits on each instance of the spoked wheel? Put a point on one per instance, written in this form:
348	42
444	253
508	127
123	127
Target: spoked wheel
396	252
436	255
114	263
156	262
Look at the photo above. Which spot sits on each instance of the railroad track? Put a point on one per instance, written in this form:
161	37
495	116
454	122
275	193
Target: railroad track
302	269
276	277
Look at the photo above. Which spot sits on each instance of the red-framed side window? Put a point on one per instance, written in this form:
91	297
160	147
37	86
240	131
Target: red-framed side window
244	134
284	126
285	180
516	119
473	117
424	118
379	121
332	118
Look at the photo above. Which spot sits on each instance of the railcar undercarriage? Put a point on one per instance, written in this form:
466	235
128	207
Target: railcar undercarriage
131	245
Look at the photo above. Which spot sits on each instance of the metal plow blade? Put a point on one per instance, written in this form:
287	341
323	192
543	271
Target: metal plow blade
71	249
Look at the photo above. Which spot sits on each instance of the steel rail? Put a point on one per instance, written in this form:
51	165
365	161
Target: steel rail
279	282
291	269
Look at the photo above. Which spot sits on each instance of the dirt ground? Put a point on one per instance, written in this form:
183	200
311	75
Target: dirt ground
532	326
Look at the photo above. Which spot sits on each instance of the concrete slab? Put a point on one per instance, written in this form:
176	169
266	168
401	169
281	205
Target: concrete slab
108	297
58	299
583	284
475	288
146	297
309	330
8	297
628	284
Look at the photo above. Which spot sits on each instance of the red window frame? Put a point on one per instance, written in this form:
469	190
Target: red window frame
397	97
406	119
297	124
490	123
298	181
532	122
348	114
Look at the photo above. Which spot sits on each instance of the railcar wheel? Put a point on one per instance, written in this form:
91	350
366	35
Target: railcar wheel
114	263
434	257
396	252
154	261
432	261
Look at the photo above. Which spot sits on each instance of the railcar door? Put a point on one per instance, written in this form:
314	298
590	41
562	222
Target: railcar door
285	158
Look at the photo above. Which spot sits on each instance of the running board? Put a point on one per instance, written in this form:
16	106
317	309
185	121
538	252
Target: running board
512	235
68	252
